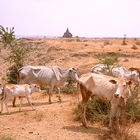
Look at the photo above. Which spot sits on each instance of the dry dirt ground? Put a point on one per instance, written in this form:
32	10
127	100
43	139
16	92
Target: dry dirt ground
56	121
48	122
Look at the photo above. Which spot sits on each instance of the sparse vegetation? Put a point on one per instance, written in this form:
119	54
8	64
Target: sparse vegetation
73	54
70	87
137	43
133	109
6	137
123	132
107	42
98	110
134	47
109	60
18	53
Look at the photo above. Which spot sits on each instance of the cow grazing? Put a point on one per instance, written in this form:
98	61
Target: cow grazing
48	76
14	90
117	91
131	74
100	69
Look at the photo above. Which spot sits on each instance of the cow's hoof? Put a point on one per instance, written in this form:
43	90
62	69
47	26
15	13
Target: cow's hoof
60	101
85	125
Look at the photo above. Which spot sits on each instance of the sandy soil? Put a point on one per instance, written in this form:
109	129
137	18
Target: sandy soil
48	122
56	121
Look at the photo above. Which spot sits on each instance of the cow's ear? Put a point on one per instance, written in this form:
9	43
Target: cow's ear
129	82
113	81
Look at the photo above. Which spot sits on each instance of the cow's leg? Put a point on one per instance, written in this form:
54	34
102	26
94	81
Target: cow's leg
50	93
4	102
21	99
122	113
84	105
1	107
59	97
14	101
30	102
85	98
6	105
84	121
113	112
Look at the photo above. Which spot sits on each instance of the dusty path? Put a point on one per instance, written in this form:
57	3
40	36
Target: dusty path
49	122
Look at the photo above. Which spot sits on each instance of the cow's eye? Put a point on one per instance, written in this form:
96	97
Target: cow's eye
124	85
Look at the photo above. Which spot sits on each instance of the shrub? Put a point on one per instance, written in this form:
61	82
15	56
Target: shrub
4	137
123	132
98	110
137	43
69	88
17	53
109	60
134	47
133	109
106	43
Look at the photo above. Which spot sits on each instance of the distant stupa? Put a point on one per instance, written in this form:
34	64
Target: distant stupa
67	34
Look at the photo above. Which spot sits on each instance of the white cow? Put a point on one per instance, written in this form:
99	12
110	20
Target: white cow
117	91
22	91
116	72
48	76
100	69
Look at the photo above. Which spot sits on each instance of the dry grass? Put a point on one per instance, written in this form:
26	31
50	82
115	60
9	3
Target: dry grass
81	53
120	132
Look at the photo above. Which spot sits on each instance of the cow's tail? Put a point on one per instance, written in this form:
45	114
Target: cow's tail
2	94
18	75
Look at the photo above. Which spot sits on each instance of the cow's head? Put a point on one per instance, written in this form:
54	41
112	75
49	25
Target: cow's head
122	88
135	76
35	88
73	74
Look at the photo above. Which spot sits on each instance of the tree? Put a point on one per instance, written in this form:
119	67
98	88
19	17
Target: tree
17	52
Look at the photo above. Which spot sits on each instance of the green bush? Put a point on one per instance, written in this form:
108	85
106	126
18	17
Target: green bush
98	110
17	52
133	109
69	88
109	60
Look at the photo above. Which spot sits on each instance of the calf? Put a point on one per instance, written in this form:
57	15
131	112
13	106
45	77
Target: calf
117	91
11	91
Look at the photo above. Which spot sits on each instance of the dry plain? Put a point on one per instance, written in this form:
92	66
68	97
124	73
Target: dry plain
56	121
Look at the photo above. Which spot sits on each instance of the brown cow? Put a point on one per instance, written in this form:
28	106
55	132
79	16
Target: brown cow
117	91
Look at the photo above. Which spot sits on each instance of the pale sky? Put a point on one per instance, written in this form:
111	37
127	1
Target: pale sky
84	18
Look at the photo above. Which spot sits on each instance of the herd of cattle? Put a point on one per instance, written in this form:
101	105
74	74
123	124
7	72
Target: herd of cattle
106	82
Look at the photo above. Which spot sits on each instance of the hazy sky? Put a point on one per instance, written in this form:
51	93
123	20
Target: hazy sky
85	18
